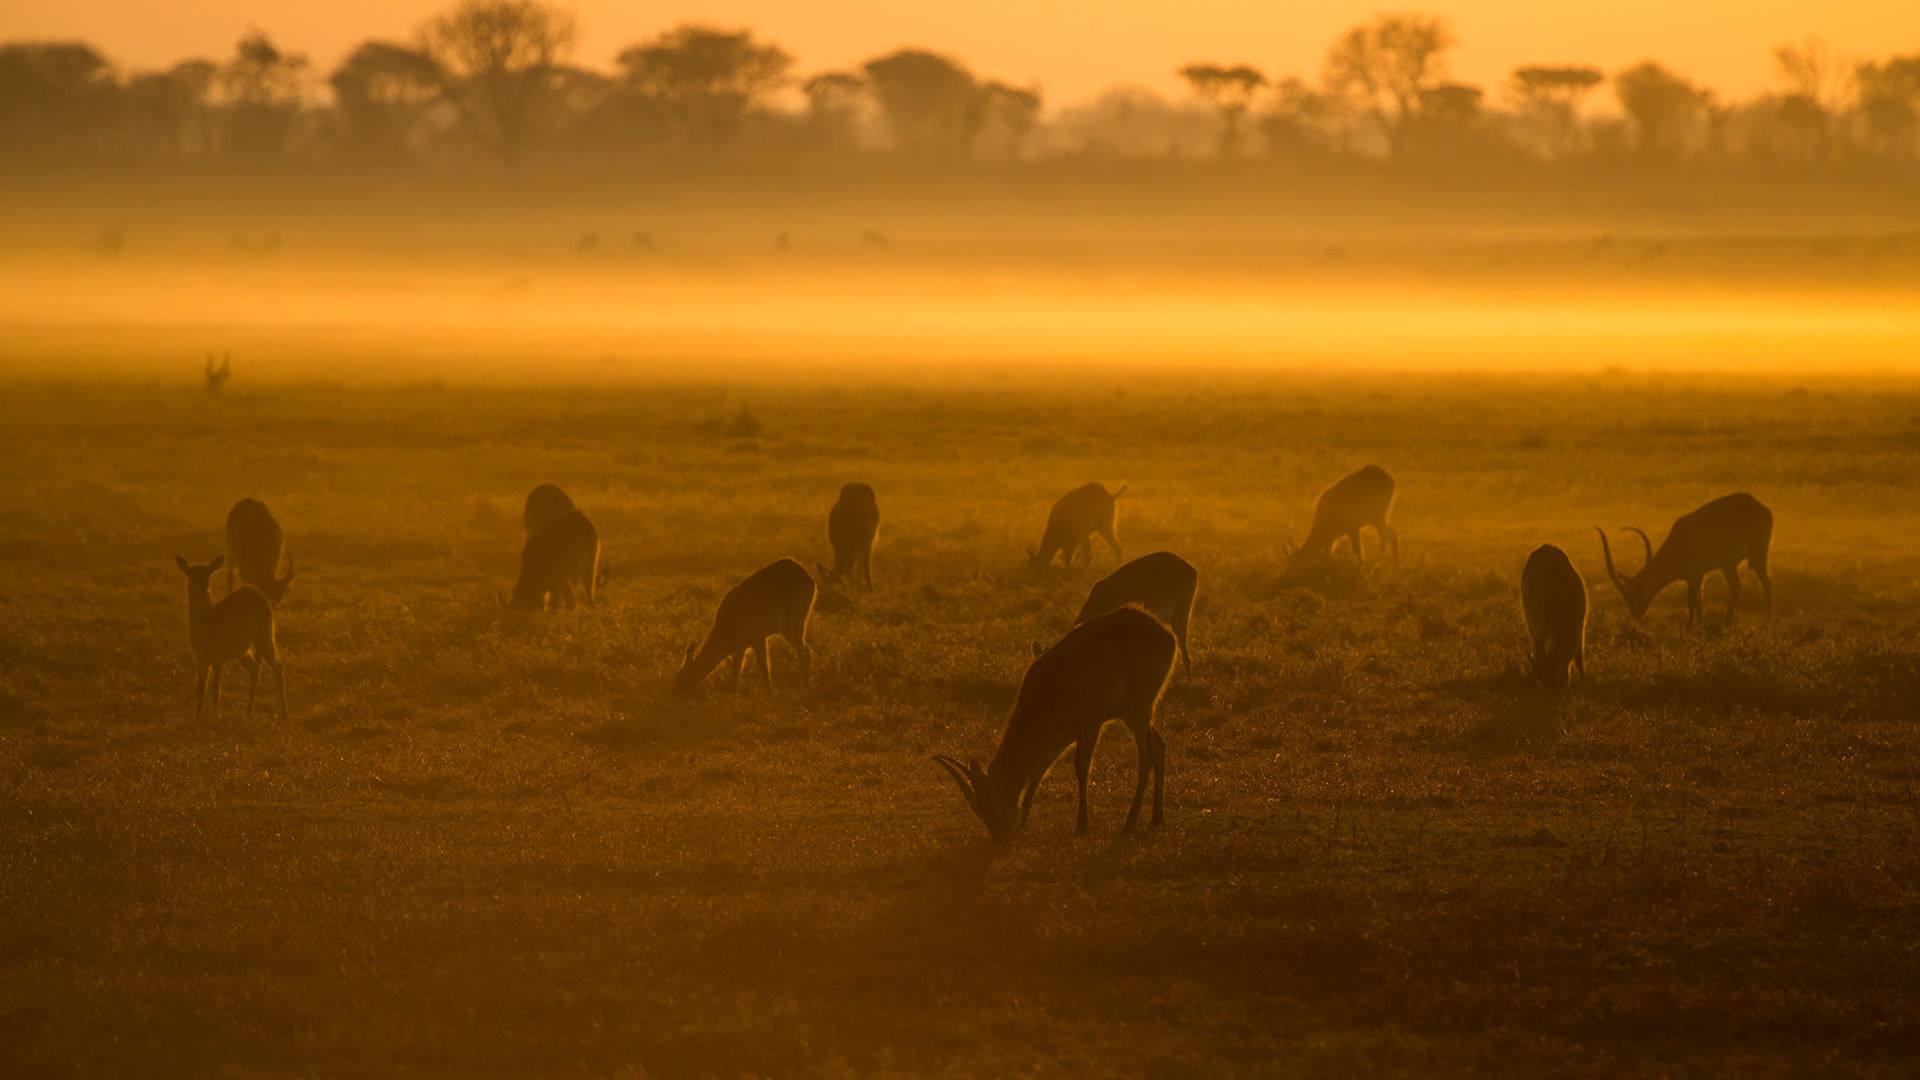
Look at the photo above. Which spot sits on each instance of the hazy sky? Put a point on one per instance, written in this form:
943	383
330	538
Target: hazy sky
1072	48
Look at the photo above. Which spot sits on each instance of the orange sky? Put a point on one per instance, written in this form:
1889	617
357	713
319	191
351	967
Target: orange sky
1073	48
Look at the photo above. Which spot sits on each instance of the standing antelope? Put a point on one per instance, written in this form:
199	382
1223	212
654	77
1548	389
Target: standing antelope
1718	536
851	526
1553	597
254	547
545	503
776	599
1111	667
1351	504
239	627
565	552
1163	583
1071	524
217	377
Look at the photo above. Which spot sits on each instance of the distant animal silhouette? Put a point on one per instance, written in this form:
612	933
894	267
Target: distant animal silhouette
776	599
565	552
217	377
254	547
851	526
1718	536
1354	502
1163	583
239	627
1111	667
545	503
1078	515
1553	597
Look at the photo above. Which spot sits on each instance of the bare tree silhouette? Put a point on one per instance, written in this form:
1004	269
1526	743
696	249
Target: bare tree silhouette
1230	90
1384	67
499	58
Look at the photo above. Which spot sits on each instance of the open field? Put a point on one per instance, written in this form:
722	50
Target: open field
490	843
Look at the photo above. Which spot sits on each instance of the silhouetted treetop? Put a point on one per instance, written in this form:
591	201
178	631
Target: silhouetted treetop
704	80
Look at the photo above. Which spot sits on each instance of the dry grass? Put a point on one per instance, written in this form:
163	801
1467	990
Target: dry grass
490	843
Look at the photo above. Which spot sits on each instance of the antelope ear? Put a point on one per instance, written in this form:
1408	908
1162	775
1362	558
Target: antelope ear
1039	650
218	560
181	563
692	647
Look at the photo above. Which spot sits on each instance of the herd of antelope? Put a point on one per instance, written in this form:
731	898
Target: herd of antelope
1114	664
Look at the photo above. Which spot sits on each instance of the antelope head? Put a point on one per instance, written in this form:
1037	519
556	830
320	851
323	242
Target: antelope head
688	676
997	804
217	376
1635	590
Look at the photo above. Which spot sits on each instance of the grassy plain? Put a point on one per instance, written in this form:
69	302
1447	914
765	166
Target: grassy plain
490	843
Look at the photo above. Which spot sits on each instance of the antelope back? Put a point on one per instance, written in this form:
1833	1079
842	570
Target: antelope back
565	549
1161	582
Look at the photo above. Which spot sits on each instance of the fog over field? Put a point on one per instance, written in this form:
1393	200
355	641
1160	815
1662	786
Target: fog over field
902	275
343	344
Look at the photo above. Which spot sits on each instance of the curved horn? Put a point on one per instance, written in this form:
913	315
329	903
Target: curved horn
959	774
1643	540
1606	551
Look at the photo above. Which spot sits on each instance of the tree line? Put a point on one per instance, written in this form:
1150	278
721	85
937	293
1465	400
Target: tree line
493	80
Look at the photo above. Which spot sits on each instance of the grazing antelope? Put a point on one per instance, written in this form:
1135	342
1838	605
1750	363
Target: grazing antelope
1718	536
239	627
545	503
776	599
1163	583
851	526
254	547
1352	504
1111	667
1553	596
217	377
565	552
1071	524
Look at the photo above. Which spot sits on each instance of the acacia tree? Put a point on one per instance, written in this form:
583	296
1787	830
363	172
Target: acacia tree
1230	90
1550	97
1386	68
705	80
834	103
499	60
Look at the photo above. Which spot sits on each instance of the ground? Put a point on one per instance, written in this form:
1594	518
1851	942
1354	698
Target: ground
490	842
